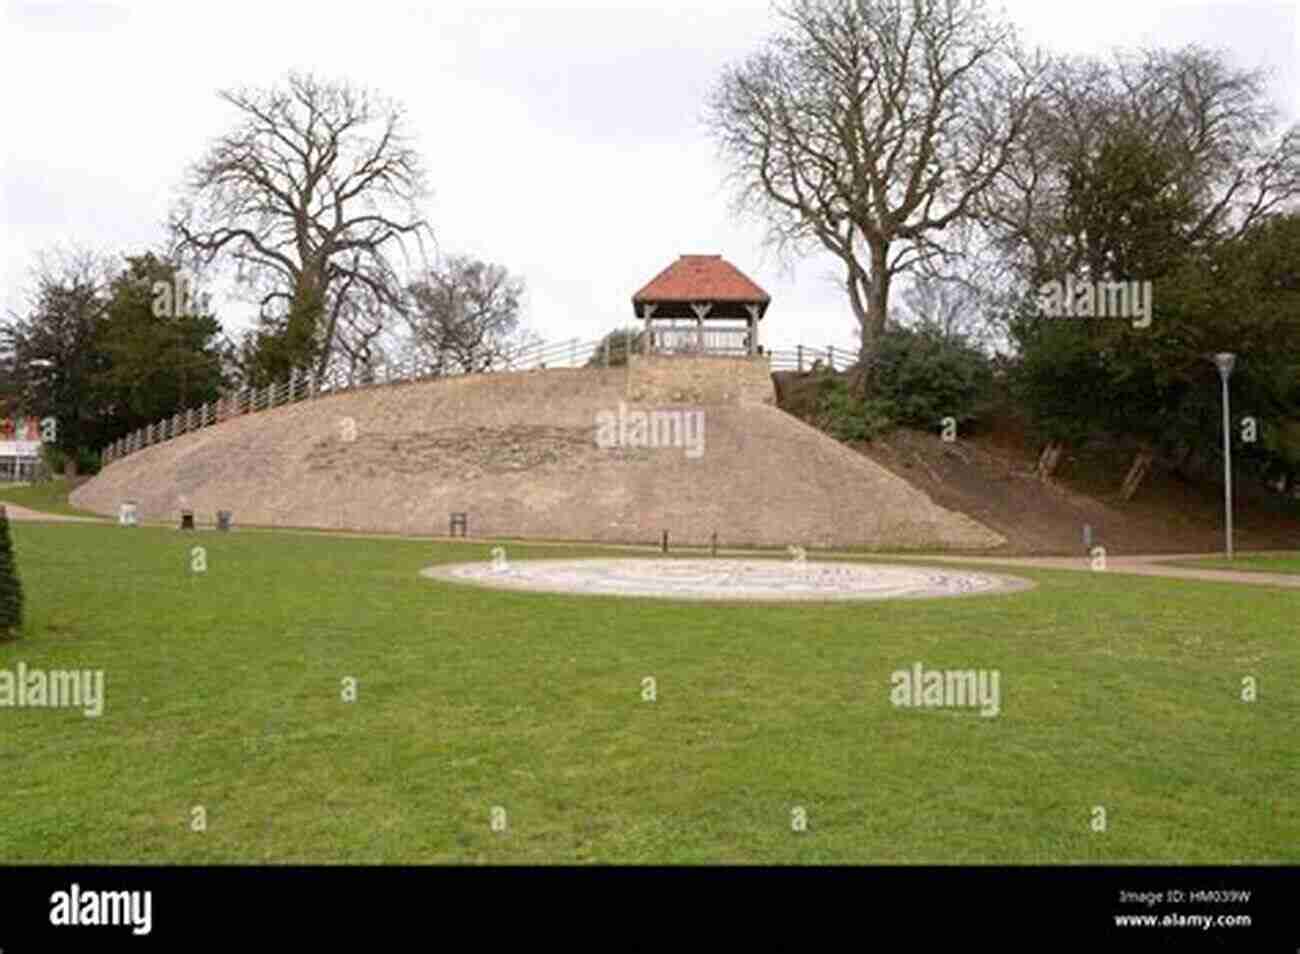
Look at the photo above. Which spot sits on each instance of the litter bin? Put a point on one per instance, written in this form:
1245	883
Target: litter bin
223	520
126	515
187	519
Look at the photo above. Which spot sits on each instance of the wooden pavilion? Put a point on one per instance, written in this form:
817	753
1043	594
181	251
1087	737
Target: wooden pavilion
701	304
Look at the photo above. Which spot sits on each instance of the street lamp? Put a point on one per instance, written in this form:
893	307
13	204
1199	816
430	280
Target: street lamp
1224	361
42	366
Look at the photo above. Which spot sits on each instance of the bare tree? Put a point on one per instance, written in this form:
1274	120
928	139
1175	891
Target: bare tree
359	325
464	316
944	305
970	292
870	127
1207	126
310	195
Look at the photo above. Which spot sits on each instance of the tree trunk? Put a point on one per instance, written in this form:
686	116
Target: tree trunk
871	313
1136	473
1048	459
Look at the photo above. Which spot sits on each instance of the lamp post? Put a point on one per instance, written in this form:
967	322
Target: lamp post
41	365
1224	361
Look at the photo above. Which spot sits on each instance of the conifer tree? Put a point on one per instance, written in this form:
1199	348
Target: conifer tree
11	588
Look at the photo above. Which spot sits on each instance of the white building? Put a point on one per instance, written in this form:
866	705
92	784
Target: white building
20	450
19	460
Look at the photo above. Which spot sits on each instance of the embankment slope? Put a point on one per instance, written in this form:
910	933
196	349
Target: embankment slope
517	453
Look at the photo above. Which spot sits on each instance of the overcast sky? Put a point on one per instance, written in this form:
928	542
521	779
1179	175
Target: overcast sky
563	141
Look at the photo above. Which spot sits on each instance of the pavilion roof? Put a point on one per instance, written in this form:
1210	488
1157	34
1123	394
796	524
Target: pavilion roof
702	279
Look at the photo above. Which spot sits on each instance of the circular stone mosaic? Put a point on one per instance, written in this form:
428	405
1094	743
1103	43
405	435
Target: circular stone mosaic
726	579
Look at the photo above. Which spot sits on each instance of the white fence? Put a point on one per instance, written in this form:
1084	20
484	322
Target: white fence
304	387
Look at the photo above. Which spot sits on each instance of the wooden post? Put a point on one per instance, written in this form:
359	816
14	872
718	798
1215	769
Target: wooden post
607	351
665	543
647	343
800	353
753	328
700	312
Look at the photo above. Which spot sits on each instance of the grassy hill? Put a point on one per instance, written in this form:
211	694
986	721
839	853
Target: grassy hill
517	453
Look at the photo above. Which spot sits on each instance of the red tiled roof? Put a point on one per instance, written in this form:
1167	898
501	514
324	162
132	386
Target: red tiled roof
701	278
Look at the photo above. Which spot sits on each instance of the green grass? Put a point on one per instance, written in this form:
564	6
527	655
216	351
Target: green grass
223	690
50	496
1248	563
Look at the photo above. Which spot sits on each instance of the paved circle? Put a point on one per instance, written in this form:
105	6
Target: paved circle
726	579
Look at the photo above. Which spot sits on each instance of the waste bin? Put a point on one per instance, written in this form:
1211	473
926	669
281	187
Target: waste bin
187	519
126	515
223	520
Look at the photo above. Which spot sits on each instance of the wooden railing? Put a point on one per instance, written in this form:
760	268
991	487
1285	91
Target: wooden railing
557	354
725	341
303	387
803	358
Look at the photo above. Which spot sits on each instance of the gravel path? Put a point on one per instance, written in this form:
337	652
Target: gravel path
16	513
1140	566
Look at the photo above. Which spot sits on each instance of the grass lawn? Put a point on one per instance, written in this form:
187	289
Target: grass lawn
50	496
223	690
1249	562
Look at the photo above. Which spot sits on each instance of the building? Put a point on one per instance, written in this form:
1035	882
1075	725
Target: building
701	304
20	449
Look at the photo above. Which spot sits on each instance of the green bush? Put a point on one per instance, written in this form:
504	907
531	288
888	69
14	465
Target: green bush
56	459
926	376
921	378
844	416
87	461
619	341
